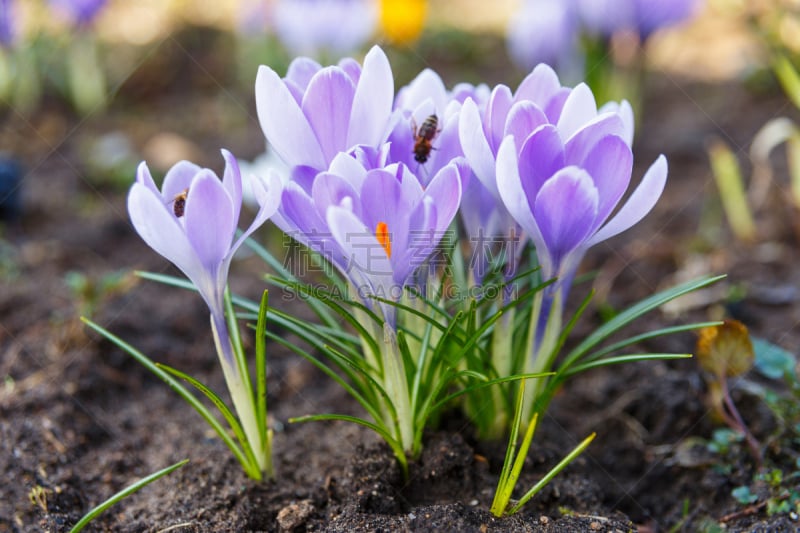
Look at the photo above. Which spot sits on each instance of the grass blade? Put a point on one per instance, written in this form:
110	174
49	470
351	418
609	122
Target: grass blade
220	405
630	314
261	371
124	493
553	473
175	385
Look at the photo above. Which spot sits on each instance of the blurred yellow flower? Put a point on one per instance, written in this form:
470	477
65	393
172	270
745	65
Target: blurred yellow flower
402	20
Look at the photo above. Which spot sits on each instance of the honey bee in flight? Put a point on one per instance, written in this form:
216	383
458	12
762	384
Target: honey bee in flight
179	203
423	138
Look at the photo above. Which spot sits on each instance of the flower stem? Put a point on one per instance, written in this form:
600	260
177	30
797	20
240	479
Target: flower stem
241	393
397	389
542	341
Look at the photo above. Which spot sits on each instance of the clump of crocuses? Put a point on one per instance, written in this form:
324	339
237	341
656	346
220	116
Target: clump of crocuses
441	309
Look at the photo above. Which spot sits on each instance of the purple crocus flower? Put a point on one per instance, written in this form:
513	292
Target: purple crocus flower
314	113
606	17
377	225
81	12
561	168
308	27
192	220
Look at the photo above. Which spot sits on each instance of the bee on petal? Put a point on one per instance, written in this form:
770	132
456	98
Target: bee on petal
423	137
179	203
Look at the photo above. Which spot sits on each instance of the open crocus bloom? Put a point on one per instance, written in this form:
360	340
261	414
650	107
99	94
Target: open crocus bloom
376	225
547	147
314	113
563	193
192	220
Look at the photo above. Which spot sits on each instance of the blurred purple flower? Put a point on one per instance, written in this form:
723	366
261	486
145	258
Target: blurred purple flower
546	31
314	113
309	27
7	30
376	225
606	17
80	12
192	221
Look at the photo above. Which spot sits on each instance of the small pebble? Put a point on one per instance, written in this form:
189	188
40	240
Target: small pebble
294	515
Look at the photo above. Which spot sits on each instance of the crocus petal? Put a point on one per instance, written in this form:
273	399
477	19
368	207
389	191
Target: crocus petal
382	195
301	70
556	104
268	194
475	145
232	181
641	201
625	112
509	185
178	179
372	104
524	118
579	108
609	164
331	189
326	104
209	219
538	86
283	122
158	227
496	112
298	215
541	156
144	177
362	249
445	190
351	67
448	147
583	141
344	164
565	210
427	85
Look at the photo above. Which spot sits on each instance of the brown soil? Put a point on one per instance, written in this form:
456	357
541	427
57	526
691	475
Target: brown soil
79	419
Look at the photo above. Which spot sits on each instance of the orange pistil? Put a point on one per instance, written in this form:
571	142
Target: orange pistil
382	234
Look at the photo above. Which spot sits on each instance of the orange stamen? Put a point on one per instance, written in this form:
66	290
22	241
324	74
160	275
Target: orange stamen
382	234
